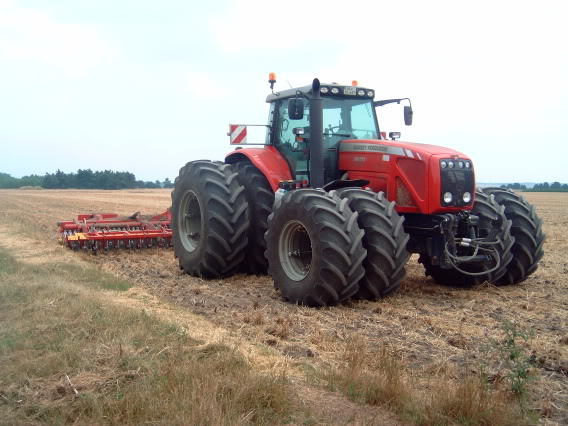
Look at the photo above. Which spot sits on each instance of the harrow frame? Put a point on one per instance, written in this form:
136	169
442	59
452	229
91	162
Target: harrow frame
106	231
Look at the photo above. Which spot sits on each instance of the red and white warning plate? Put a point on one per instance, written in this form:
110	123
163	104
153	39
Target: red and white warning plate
238	134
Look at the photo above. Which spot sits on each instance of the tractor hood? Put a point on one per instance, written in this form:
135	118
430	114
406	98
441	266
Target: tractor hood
431	149
412	174
402	148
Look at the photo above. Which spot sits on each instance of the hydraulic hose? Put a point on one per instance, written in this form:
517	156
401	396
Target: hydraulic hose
454	260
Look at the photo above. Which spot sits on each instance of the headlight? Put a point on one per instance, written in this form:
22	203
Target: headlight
361	92
334	90
448	197
466	197
460	164
443	164
370	93
324	90
467	164
451	164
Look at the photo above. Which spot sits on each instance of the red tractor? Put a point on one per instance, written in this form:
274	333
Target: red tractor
332	210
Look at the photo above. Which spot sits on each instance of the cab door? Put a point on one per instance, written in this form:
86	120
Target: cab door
294	149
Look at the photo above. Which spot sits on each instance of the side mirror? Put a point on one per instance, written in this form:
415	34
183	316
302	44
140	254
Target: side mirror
394	135
408	115
296	108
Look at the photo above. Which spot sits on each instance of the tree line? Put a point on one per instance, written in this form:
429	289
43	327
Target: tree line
539	187
514	186
83	179
549	187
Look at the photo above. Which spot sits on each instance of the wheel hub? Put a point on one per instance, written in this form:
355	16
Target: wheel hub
190	221
295	250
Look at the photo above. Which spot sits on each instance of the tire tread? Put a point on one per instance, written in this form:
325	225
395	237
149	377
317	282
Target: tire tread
260	201
385	241
526	228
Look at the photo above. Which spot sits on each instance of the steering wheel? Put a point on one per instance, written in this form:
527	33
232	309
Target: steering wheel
339	131
330	128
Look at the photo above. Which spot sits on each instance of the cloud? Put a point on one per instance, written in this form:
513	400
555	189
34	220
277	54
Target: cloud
33	36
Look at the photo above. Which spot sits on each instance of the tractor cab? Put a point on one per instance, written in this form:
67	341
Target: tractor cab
347	113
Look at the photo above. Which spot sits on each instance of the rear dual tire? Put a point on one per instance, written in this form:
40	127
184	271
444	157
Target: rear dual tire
260	198
210	219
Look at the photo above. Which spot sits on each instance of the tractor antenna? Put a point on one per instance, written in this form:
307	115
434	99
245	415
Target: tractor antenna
289	84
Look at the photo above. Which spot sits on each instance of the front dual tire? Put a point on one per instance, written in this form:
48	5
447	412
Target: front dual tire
314	248
324	248
385	241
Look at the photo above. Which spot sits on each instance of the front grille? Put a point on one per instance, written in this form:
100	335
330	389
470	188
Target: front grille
457	182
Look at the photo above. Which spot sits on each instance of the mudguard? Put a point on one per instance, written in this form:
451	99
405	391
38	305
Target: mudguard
268	160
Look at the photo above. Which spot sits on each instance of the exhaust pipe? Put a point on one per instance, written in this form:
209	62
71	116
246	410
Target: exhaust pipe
316	137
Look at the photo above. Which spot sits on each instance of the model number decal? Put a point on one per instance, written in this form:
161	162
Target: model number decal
359	159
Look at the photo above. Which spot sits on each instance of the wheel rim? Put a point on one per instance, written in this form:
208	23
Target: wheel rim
295	250
190	221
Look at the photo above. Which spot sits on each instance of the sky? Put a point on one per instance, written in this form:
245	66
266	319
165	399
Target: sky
145	86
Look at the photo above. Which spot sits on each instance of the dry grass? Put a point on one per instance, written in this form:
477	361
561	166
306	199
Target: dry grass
69	357
280	329
374	377
432	331
377	377
254	318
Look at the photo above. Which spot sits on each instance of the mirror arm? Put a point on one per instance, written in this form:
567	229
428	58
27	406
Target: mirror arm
391	101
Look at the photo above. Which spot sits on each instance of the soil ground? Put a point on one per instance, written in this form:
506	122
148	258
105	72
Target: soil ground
429	327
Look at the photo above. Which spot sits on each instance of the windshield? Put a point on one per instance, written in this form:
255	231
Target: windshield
349	118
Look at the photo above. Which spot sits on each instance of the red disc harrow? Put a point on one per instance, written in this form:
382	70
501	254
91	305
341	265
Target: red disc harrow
106	231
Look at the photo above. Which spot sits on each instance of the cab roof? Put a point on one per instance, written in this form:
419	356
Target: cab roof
289	93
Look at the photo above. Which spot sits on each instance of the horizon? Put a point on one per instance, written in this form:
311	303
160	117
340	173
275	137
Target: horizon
478	183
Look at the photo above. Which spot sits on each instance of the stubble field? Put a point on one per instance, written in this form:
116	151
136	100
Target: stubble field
432	331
